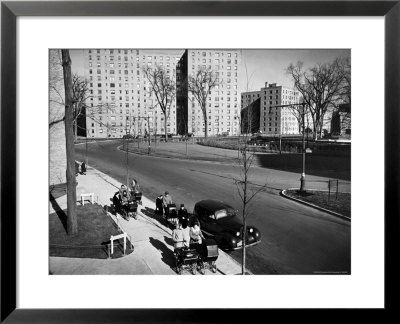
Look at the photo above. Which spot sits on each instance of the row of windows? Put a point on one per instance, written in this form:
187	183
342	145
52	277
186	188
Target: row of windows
216	67
216	54
126	58
216	61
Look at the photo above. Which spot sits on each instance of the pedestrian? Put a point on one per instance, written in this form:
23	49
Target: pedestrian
134	186
124	194
159	205
186	232
196	236
177	237
182	213
167	200
83	168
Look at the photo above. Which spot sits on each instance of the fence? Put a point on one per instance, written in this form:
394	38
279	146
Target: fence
332	186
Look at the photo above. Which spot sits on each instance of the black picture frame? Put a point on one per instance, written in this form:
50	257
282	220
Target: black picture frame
10	10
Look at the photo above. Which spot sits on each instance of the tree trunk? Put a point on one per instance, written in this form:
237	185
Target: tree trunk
75	129
72	222
205	122
165	128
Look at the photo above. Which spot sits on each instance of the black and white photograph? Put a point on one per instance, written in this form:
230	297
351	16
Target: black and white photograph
199	161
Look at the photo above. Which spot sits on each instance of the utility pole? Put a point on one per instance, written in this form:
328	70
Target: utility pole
149	135
86	144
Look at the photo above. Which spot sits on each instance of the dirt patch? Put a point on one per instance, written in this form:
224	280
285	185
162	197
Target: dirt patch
91	241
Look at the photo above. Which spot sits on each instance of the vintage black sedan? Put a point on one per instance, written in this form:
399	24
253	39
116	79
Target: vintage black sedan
221	221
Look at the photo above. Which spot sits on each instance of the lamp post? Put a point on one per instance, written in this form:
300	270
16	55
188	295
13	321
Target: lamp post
303	174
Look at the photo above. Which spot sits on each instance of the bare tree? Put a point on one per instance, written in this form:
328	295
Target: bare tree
322	87
245	189
80	95
163	88
201	86
72	222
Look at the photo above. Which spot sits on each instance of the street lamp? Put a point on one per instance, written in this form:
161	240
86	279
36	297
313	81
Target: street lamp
303	174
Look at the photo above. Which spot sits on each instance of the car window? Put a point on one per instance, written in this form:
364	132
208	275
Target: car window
211	217
224	213
221	214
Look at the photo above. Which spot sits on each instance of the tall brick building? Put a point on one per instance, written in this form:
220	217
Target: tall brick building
57	150
223	109
120	101
274	120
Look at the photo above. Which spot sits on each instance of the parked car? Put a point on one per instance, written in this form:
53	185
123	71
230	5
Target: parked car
222	222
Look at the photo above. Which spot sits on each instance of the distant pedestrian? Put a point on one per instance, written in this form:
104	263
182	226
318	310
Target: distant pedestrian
167	200
134	185
159	205
83	168
182	213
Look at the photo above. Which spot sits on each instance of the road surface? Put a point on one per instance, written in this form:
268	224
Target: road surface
296	239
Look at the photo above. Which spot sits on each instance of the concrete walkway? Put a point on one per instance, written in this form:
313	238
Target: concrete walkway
153	246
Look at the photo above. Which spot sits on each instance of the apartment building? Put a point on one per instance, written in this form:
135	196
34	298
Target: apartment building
120	99
223	102
273	119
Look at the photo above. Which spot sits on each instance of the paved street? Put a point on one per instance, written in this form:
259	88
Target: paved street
295	239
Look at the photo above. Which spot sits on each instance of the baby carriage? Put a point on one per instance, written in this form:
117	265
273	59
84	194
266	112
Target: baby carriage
131	208
171	214
186	259
137	196
208	256
125	209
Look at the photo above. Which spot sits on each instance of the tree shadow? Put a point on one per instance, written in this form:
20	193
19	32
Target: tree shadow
60	213
58	190
167	256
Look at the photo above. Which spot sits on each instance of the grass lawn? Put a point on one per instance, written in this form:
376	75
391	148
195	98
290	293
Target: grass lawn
95	229
335	167
341	204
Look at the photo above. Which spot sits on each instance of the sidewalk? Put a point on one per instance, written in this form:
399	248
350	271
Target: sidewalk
153	246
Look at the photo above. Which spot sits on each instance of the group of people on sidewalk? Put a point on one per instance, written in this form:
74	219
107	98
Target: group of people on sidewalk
187	236
184	234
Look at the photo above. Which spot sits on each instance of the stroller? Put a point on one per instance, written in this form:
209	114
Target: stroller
137	196
171	214
125	209
208	256
131	208
186	259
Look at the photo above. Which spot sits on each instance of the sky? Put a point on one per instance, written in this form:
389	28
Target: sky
262	65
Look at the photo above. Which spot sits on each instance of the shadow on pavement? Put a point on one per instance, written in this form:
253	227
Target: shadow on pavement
167	256
169	241
150	212
60	213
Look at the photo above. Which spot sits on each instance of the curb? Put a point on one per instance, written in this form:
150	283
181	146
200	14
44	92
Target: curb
283	194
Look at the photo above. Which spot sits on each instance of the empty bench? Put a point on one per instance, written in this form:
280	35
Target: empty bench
87	195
